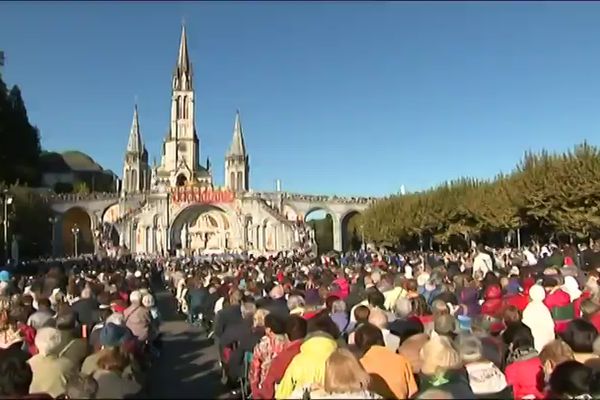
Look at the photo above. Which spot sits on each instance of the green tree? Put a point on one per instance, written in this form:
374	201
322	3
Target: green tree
19	141
81	188
546	194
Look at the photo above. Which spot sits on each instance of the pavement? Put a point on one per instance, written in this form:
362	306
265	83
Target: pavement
188	366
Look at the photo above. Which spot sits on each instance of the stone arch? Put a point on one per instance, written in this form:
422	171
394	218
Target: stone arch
110	232
77	217
351	233
323	223
208	227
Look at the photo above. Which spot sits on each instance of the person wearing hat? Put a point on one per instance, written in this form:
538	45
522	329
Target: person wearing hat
112	365
111	336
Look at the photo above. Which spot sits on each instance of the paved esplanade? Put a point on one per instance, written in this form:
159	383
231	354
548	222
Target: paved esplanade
188	366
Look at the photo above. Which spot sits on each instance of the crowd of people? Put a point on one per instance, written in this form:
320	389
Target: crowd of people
478	324
80	331
483	323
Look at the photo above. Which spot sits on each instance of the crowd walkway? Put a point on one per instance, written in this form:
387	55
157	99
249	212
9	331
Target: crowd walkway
188	366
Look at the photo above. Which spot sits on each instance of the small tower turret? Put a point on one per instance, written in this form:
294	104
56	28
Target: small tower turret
237	166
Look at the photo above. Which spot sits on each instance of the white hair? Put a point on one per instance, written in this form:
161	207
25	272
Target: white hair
338	306
47	340
295	301
148	300
135	297
402	307
116	318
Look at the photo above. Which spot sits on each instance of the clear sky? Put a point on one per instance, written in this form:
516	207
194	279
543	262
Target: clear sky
346	98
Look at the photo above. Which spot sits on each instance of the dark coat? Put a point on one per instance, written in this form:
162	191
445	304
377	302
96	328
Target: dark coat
87	311
229	315
277	307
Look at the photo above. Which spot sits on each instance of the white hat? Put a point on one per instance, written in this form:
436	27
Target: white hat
138	274
514	271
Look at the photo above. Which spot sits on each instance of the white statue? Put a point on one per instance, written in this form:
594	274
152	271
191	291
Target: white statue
184	236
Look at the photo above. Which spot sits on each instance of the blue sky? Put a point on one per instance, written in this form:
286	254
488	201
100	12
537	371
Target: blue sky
346	98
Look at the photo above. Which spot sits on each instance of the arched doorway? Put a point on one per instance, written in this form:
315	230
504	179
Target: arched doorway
352	237
77	218
201	227
321	223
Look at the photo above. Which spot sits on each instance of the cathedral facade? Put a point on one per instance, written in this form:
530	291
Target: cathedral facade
176	205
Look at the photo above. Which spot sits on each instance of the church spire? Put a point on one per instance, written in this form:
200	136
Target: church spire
134	145
237	148
182	79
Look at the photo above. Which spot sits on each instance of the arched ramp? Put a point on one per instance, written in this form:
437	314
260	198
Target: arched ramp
321	221
351	231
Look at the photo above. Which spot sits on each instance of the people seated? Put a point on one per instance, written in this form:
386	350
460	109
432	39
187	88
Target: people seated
50	370
296	328
391	374
308	366
270	345
137	317
72	347
343	378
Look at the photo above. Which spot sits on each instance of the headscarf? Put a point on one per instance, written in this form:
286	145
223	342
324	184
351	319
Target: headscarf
572	288
538	318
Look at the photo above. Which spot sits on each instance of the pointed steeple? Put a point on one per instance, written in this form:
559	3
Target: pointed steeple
134	145
183	71
237	148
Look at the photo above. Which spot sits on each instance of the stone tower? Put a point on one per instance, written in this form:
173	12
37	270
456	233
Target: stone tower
136	173
181	149
237	165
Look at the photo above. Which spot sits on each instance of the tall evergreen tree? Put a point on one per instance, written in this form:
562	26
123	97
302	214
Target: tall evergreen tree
19	140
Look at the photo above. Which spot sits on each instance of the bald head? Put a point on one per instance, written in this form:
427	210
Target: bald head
378	318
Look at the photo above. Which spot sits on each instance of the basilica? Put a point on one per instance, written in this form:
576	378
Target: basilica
183	209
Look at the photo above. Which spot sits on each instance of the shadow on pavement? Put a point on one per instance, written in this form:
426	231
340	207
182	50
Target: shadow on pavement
188	366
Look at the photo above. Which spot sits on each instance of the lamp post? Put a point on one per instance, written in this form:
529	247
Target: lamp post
75	232
53	221
226	240
7	200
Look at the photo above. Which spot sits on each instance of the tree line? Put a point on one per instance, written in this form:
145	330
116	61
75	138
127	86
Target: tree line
546	196
20	151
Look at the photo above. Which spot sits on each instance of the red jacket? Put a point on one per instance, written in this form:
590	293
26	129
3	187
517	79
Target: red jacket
493	304
558	298
526	377
277	369
519	300
577	303
344	288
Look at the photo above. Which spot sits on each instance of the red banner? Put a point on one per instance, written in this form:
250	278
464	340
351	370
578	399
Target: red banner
188	194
